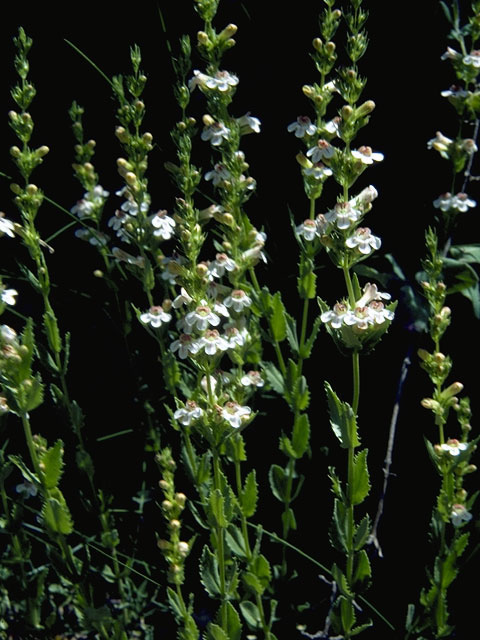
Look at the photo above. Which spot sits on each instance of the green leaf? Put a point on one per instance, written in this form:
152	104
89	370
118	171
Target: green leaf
292	335
176	605
469	253
52	461
473	294
249	495
347	613
301	435
217	507
251	614
361	533
278	482
362	567
338	529
288	519
278	322
56	514
216	633
33	394
259	576
274	378
209	575
301	398
341	581
235	541
234	626
360	479
342	419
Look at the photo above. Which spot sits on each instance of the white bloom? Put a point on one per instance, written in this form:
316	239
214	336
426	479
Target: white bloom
323	149
118	219
252	378
440	143
164	225
8	335
3	405
303	125
122	256
371	293
238	299
190	412
8	295
95	238
132	208
235	414
218	174
366	155
6	226
365	197
344	215
235	337
450	54
318	171
182	299
221	81
455	92
459	515
200	318
469	146
91	202
155	316
221	264
212	341
249	124
335	316
378	312
216	133
363	241
361	318
461	202
185	345
332	126
27	489
473	59
453	446
307	230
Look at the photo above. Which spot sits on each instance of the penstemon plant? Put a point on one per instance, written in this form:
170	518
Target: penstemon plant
193	523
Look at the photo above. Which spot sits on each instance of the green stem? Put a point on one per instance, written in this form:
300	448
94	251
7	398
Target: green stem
220	546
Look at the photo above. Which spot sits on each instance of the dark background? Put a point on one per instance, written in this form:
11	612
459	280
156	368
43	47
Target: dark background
405	77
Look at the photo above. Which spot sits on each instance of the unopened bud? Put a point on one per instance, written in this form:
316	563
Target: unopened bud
180	499
163	544
201	269
130	178
423	354
452	390
308	90
208	120
330	48
365	108
163	484
15	152
175	524
32	189
98	273
202	38
346	112
167	505
317	44
42	151
229	31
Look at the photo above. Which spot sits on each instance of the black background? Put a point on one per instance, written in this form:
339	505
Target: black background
405	77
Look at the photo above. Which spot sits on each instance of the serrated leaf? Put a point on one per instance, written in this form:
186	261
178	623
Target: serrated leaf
278	324
338	529
235	541
261	567
341	581
56	514
251	614
278	482
361	533
217	507
301	398
292	336
347	613
209	575
301	435
274	378
52	461
362	567
176	605
216	633
307	349
249	495
342	419
362	627
33	397
234	626
360	479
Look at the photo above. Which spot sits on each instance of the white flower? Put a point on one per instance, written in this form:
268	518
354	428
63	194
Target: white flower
164	225
303	125
200	318
454	447
132	208
323	149
450	54
461	202
318	171
122	256
216	133
335	316
118	219
344	215
8	295
8	335
235	337
366	155
155	316
307	230
185	345
235	414
6	226
459	515
27	489
472	59
3	405
218	174
248	124
378	313
365	197
332	127
91	202
361	318
182	299
95	238
455	92
190	412
440	143
252	378
371	293
221	264
469	146
238	299
221	81
212	341
363	241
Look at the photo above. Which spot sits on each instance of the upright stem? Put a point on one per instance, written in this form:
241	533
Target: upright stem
220	548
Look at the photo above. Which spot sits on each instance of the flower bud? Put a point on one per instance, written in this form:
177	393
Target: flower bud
15	152
308	90
346	112
163	544
229	31
201	269
163	484
208	120
183	548
452	390
202	38
32	189
98	273
167	505
180	499
130	178
365	108
175	524
42	151
423	354
317	44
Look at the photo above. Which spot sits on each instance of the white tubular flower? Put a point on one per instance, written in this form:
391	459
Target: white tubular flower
363	241
455	92
221	264
182	299
164	225
302	126
332	127
118	219
212	342
185	345
323	149
95	238
91	201
189	413
344	215
469	146
366	155
235	414
318	171
215	133
122	256
7	296
459	515
361	318
440	143
248	124
472	59
4	408
222	81
132	208
378	313
371	293
6	226
235	337
200	318
218	174
461	202
252	379
453	447
335	316
8	335
155	316
238	299
365	197
307	230
450	54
